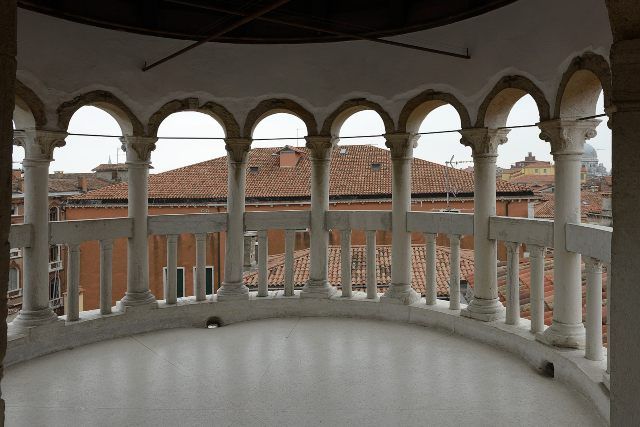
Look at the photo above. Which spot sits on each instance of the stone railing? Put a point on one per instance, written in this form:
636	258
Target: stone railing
514	334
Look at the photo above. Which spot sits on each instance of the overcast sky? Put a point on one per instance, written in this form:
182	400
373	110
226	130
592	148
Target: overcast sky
81	154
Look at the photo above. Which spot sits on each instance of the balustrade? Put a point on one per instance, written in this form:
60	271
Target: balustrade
592	242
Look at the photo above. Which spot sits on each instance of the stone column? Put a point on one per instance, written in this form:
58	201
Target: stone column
513	283
536	259
484	143
593	323
200	281
567	140
431	283
138	151
400	290
320	154
39	146
233	286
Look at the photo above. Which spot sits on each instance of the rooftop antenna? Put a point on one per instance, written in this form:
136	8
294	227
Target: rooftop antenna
446	179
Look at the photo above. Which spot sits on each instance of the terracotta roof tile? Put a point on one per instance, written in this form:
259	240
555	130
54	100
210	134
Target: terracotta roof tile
351	176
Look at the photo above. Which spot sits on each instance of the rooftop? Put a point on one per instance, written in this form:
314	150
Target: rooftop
351	176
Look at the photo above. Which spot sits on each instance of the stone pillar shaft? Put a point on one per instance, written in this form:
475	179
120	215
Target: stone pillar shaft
536	257
106	267
200	282
513	283
454	275
484	143
400	290
593	323
431	288
39	147
233	286
138	155
320	154
567	140
73	282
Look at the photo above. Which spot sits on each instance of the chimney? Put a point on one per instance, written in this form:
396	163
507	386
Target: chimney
82	184
288	157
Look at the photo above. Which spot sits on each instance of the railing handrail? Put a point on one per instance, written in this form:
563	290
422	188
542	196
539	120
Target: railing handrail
529	231
187	223
358	220
456	223
277	220
20	235
590	240
78	231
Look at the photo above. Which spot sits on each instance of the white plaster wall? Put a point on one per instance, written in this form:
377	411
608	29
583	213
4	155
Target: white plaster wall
534	38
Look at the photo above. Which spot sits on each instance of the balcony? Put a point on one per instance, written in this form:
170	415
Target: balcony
340	352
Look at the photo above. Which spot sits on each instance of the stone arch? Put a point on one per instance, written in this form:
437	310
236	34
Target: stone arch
418	108
29	109
496	106
580	87
106	101
335	120
272	106
215	111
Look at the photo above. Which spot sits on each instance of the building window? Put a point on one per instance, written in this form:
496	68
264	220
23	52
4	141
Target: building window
179	282
545	171
55	258
208	279
55	293
54	214
14	280
537	171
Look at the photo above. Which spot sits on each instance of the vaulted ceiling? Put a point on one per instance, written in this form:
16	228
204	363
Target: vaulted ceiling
266	21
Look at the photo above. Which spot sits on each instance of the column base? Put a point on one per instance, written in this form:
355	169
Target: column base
233	291
317	289
400	294
486	310
30	318
132	299
563	335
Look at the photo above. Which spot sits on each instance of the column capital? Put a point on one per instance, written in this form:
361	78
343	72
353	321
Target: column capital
401	145
138	148
320	146
567	136
39	144
484	142
237	149
512	246
536	251
592	265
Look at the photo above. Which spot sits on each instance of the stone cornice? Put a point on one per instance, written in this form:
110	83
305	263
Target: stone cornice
319	147
401	145
484	142
237	149
141	146
567	137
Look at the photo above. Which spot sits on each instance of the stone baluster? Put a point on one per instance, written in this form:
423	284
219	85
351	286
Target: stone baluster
593	323
345	263
106	275
39	146
372	277
263	272
513	283
200	281
171	282
320	156
138	151
431	283
73	282
567	140
233	286
400	291
536	259
484	143
454	276
289	245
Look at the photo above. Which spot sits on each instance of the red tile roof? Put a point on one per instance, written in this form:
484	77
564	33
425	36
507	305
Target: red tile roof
351	176
108	167
358	268
591	203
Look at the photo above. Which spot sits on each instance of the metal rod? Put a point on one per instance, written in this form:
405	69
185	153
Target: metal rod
324	30
246	18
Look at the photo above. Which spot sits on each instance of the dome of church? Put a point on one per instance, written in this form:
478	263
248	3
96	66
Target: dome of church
590	153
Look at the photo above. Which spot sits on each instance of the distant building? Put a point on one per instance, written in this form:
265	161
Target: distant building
114	172
591	163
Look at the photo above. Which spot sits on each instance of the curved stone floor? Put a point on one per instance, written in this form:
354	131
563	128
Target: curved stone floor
298	372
